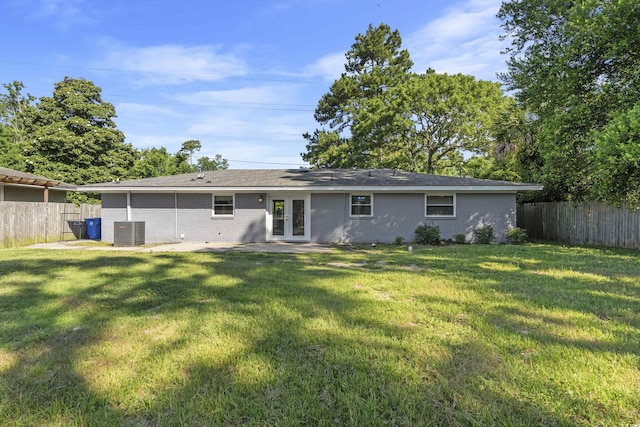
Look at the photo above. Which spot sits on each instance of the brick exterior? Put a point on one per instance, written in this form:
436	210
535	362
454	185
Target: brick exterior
192	221
399	215
393	215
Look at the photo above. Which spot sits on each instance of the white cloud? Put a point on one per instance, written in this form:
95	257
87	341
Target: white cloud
59	14
277	95
144	110
464	40
329	67
174	64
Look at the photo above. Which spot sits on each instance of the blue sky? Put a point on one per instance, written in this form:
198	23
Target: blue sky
243	77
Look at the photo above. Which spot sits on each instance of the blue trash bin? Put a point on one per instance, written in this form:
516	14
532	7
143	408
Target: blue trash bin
94	230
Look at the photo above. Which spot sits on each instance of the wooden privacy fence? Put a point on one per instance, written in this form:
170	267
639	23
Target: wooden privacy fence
23	223
588	223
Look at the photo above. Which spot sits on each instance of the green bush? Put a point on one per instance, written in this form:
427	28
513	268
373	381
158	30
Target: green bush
484	235
399	240
428	235
459	239
517	236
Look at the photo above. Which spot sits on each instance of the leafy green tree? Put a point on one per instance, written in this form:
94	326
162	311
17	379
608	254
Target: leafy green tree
207	164
74	138
574	66
380	114
617	155
10	154
443	116
153	162
189	147
16	113
374	64
16	110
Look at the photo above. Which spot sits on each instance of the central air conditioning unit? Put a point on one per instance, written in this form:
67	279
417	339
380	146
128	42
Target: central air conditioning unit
128	233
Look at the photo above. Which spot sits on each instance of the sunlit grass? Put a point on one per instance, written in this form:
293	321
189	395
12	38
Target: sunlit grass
458	335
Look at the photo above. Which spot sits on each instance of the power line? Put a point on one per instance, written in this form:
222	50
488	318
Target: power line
217	102
158	73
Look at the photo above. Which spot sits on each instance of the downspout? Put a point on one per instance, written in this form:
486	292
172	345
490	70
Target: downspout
46	194
175	204
128	206
1	192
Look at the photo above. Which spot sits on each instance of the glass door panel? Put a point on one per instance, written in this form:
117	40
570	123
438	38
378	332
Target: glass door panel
297	208
278	214
288	218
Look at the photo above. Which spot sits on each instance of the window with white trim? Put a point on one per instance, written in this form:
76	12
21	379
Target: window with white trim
361	205
223	205
440	205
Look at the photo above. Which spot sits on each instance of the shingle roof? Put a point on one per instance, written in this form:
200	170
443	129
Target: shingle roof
303	178
11	176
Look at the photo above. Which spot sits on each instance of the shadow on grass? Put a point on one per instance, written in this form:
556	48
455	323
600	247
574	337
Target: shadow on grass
264	339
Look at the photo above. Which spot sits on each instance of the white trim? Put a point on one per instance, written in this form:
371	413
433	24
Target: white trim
288	200
213	205
320	189
426	195
129	206
175	208
350	204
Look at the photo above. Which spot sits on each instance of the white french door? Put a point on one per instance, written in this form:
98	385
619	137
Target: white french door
288	217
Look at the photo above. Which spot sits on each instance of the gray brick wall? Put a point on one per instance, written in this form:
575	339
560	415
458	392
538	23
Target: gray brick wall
196	223
114	208
193	218
393	215
159	214
400	214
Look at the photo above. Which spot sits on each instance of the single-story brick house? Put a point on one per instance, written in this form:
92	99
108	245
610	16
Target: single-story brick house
307	205
16	186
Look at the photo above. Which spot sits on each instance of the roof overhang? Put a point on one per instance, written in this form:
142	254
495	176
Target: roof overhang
316	189
43	186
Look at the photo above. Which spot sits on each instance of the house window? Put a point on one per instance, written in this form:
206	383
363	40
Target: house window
440	205
223	205
361	205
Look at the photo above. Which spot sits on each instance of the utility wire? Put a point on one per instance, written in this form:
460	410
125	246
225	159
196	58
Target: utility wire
193	76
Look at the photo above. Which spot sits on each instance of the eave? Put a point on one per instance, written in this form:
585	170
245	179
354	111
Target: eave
315	189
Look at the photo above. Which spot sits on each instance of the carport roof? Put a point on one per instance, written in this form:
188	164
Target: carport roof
10	176
307	179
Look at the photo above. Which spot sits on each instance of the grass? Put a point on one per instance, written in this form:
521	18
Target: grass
459	335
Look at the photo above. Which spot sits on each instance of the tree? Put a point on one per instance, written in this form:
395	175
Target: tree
153	162
74	138
189	147
574	66
374	64
207	164
380	114
617	153
16	110
445	115
10	154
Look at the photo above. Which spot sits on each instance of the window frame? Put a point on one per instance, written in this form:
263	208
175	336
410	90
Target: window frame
213	206
351	196
453	204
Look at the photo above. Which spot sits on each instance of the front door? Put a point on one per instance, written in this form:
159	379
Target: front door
288	218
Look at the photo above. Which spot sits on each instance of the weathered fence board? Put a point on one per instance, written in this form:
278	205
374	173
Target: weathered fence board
24	223
588	223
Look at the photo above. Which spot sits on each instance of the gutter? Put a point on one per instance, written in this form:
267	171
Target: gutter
318	189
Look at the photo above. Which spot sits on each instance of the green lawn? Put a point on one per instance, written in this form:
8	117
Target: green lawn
459	335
